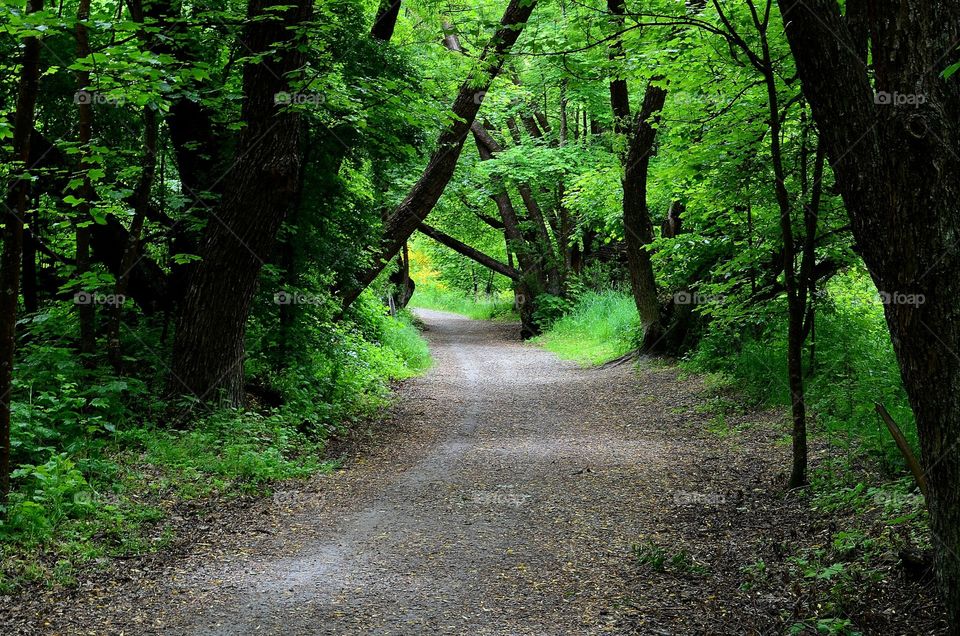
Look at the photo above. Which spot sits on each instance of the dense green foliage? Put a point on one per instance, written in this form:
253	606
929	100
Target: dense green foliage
853	367
102	461
103	451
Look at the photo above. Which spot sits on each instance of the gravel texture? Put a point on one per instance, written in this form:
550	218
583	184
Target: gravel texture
502	495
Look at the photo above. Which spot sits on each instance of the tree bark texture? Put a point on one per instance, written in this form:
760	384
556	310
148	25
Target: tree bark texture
208	351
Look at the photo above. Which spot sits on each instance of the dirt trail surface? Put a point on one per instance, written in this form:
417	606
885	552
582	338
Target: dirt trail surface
504	495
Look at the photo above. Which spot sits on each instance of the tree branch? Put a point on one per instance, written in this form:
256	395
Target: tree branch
476	255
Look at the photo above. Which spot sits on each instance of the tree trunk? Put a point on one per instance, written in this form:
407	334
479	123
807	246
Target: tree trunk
796	300
423	196
566	222
17	199
208	350
619	92
545	251
638	229
386	20
473	254
530	261
31	301
141	201
408	286
893	153
198	147
533	282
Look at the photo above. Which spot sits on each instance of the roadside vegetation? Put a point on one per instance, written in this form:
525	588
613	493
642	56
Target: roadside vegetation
101	467
482	307
601	326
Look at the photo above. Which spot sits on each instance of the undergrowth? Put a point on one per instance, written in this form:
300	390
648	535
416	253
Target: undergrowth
853	367
600	327
101	461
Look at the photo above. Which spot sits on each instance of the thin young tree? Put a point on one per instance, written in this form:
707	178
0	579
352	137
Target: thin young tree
86	310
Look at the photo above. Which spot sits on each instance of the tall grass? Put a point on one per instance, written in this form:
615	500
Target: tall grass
481	307
403	340
600	327
854	367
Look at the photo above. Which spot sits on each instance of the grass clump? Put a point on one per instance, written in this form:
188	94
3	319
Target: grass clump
600	327
497	306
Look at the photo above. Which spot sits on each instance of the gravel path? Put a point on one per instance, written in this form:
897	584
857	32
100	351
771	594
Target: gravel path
504	496
512	513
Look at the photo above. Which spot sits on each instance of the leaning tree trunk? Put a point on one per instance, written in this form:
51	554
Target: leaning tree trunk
208	351
425	193
16	207
894	155
533	282
534	279
386	20
470	252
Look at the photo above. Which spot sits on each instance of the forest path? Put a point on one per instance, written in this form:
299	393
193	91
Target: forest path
502	496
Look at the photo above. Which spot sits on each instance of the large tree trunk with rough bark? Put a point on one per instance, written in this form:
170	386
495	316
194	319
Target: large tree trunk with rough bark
893	148
425	193
208	350
16	206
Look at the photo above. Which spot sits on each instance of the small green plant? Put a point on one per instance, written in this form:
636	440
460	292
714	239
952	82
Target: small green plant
650	554
661	560
831	626
50	493
848	542
754	574
718	426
